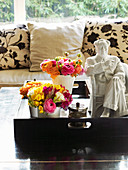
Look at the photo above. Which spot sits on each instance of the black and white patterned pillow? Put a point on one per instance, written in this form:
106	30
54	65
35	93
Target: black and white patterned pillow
114	31
14	48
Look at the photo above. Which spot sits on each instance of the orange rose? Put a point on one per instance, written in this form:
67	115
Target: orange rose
54	72
47	65
74	62
80	61
27	86
78	69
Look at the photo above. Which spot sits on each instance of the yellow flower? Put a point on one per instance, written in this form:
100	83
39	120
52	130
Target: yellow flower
35	91
47	85
33	97
39	90
36	103
58	87
38	97
41	103
42	96
41	109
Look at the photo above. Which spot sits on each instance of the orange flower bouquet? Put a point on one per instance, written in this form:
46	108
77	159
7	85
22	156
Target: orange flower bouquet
63	66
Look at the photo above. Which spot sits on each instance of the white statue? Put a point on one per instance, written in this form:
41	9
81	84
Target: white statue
108	72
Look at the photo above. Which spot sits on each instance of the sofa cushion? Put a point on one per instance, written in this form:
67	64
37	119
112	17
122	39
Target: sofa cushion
19	76
50	40
14	77
115	31
14	47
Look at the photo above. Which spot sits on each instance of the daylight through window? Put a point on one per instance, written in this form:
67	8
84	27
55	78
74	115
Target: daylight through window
60	10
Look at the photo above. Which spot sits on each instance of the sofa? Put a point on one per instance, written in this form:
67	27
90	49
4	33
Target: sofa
23	47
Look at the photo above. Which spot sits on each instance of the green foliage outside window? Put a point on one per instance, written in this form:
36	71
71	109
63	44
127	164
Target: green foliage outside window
6	11
65	8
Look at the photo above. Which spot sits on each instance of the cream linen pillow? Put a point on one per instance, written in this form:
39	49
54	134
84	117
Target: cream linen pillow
49	40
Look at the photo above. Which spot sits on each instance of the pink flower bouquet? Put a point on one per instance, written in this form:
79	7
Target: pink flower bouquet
48	96
63	66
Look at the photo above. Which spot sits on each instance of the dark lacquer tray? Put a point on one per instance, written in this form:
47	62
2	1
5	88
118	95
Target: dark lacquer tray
62	129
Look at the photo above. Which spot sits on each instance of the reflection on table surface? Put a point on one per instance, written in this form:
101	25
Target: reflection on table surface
106	153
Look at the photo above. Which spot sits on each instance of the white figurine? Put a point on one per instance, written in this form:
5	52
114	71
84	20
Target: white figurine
108	74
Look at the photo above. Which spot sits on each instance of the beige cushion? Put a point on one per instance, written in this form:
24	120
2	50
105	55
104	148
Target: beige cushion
19	76
115	31
51	40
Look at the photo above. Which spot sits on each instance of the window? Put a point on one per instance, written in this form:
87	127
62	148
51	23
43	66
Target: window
60	10
6	11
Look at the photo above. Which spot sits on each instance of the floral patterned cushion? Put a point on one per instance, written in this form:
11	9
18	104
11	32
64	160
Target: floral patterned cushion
14	48
114	31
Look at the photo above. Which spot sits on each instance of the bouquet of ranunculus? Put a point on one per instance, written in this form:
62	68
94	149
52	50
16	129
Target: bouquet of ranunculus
48	96
63	66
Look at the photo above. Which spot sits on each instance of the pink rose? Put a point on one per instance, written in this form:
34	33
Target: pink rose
67	69
49	106
60	62
54	63
44	62
66	59
71	62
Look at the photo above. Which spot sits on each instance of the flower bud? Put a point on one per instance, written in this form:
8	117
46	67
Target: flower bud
66	54
78	55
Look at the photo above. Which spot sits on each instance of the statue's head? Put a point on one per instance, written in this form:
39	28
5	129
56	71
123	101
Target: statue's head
101	46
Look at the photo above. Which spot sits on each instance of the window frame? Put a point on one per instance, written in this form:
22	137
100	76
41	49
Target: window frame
19	11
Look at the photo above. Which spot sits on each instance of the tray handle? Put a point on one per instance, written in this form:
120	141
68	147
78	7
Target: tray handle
79	124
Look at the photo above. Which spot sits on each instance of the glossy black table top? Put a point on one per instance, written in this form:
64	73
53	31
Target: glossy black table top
106	153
